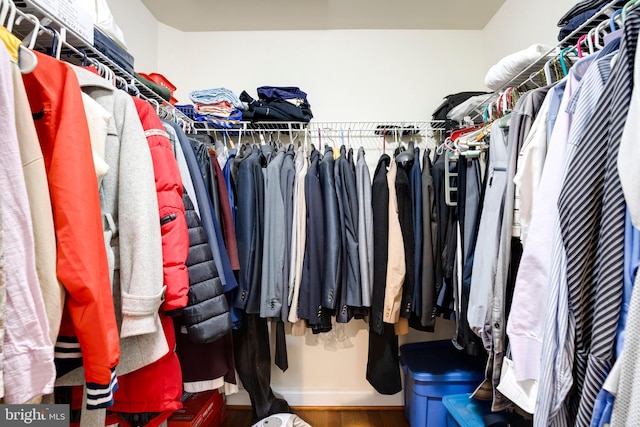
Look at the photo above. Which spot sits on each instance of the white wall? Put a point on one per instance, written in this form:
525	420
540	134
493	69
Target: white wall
356	75
521	23
140	30
349	75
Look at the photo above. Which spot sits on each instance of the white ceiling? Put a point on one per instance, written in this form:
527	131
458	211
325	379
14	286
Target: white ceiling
247	15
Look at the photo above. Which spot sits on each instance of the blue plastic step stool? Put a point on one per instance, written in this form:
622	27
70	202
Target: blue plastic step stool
462	411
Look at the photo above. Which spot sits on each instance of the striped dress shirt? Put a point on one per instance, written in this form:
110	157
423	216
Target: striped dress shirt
591	208
626	411
558	345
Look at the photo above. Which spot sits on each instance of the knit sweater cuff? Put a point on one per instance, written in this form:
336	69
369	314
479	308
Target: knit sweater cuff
101	395
140	314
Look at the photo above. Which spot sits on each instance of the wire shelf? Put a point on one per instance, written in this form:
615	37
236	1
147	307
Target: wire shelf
533	71
73	45
77	50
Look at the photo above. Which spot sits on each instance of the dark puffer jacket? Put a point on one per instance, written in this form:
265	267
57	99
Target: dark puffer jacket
206	315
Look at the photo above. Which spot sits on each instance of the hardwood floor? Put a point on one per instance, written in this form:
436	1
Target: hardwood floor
329	417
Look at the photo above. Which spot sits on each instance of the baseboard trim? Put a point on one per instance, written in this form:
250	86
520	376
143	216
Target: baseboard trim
328	408
323	399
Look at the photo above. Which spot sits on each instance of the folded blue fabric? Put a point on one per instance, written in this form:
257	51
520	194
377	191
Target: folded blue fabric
270	93
575	23
232	122
213	95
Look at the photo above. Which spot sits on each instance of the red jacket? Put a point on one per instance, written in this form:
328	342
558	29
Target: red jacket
88	330
175	234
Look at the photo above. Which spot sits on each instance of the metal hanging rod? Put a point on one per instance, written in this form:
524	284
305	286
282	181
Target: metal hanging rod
334	129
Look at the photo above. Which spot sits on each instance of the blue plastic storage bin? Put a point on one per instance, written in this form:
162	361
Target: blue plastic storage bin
465	412
433	370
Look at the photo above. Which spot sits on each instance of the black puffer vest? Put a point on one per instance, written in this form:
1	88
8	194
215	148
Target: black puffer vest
206	315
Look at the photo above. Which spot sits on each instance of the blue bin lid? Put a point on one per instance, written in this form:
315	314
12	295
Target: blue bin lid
466	411
441	361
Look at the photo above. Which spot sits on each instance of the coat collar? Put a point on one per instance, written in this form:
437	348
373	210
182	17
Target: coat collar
86	78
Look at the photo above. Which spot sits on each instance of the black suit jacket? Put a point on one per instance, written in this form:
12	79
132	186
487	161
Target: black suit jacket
310	297
249	231
383	367
405	215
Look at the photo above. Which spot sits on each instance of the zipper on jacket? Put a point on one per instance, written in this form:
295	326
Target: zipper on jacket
167	218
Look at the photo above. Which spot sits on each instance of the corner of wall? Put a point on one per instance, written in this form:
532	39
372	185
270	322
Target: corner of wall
140	30
519	24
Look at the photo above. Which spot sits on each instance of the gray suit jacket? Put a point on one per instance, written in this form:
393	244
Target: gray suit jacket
365	228
271	295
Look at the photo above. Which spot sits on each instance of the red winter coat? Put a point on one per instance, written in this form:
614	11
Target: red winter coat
158	387
175	234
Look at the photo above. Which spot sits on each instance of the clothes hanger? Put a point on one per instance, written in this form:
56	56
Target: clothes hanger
612	20
27	59
547	72
384	140
12	16
8	9
579	45
590	41
182	124
231	144
293	136
239	137
625	9
328	136
600	31
110	75
56	44
155	105
563	53
594	38
4	9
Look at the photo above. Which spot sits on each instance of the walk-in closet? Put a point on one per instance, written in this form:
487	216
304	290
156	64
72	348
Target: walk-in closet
330	213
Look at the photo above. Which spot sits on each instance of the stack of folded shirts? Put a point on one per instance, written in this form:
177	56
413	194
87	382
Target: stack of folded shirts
217	105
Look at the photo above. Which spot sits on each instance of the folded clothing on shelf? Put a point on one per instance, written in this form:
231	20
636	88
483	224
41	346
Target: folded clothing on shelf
104	20
161	91
449	103
112	50
215	95
287	93
512	65
231	122
219	110
277	104
575	23
584	6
